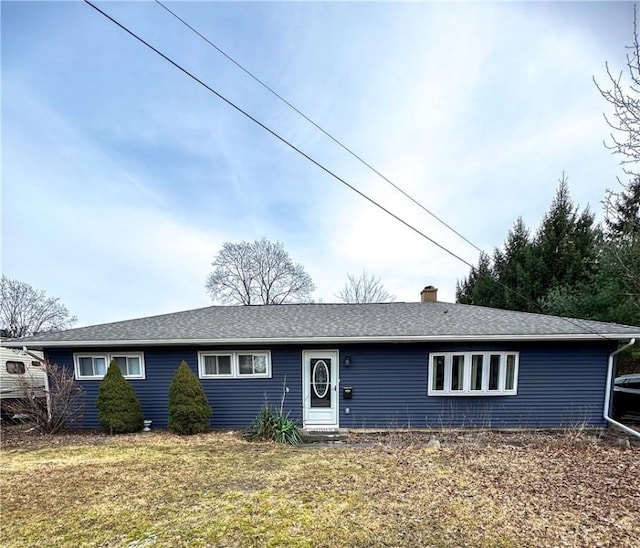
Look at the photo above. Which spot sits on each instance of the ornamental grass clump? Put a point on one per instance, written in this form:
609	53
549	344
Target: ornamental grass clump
189	410
273	425
119	410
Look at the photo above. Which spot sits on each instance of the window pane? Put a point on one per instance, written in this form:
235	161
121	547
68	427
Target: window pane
121	362
457	372
86	367
15	368
210	365
476	371
438	373
494	372
100	366
246	364
224	365
260	364
134	365
511	372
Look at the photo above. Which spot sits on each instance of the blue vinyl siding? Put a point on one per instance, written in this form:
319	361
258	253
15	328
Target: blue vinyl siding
234	402
559	384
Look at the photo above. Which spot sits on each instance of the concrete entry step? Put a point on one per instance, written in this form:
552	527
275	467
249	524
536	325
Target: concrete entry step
323	435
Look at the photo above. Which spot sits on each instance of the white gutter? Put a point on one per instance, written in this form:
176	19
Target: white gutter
607	394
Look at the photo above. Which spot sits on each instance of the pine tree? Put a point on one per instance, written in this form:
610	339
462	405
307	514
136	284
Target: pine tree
480	287
561	257
622	211
513	269
119	410
189	410
565	247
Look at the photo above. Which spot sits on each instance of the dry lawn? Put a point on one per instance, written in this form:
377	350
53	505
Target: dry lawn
217	490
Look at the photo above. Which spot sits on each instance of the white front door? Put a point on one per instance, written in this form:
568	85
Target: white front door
320	387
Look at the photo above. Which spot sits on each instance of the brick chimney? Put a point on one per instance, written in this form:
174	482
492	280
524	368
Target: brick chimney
429	294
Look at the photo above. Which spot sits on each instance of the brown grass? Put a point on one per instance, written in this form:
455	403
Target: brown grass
216	490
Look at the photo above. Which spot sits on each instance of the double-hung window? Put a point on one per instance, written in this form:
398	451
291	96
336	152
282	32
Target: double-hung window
234	364
91	366
473	374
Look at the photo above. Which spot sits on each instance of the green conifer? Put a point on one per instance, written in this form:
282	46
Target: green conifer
189	410
119	410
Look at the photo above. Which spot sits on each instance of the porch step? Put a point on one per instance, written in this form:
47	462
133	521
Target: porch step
323	435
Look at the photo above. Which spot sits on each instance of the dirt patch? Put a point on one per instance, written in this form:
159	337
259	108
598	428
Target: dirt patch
24	436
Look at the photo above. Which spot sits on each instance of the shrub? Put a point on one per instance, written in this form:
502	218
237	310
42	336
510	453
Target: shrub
189	410
119	410
55	408
275	426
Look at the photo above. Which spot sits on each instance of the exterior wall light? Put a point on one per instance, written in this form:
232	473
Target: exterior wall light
347	361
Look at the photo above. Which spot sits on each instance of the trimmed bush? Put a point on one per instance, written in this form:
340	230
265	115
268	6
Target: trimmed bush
189	410
119	410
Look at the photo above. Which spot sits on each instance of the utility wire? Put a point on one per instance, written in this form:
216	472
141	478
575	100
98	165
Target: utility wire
276	135
334	139
315	162
317	126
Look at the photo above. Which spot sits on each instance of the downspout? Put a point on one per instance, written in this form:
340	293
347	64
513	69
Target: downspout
607	394
46	379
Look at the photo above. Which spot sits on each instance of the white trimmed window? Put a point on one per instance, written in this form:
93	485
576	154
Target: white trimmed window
234	364
473	374
94	366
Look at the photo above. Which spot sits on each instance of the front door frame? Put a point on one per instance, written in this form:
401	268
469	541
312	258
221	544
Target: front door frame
307	412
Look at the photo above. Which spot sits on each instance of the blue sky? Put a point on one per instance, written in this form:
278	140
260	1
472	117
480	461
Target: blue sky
121	178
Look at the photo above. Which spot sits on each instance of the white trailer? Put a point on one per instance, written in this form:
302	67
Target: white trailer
20	371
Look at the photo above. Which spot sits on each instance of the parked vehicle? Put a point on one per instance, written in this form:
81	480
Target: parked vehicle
19	372
626	395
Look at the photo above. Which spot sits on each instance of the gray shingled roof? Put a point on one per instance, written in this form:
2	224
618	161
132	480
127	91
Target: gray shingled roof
333	322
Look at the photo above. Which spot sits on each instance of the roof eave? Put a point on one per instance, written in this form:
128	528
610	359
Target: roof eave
323	340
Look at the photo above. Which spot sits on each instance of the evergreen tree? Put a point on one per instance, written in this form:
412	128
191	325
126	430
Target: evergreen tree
622	211
189	409
480	287
513	269
565	247
622	244
119	410
521	276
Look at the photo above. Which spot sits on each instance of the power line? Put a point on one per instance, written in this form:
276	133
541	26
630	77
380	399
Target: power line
317	126
313	161
276	135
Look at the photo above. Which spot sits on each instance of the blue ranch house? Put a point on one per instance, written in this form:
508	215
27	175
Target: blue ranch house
426	364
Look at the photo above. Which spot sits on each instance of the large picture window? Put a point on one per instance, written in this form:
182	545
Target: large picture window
234	364
473	374
94	366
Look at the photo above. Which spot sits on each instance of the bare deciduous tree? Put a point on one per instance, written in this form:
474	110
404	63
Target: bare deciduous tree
57	406
622	207
625	99
25	310
258	272
365	288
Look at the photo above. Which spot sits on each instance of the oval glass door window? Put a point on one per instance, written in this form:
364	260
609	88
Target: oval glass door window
320	378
